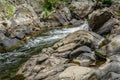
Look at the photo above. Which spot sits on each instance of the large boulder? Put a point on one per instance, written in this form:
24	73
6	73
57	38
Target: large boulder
113	47
110	70
116	8
35	4
83	56
80	9
78	73
110	49
98	18
115	31
9	43
62	16
108	27
25	15
81	37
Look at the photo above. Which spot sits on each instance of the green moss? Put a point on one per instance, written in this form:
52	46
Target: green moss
118	13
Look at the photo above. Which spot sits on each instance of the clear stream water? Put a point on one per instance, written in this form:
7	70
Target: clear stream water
11	61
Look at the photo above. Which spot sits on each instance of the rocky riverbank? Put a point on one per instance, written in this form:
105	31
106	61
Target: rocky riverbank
29	19
77	56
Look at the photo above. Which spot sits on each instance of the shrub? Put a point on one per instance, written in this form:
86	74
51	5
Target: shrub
49	5
7	9
107	1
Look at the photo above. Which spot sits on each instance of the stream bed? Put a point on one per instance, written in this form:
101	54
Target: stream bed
11	61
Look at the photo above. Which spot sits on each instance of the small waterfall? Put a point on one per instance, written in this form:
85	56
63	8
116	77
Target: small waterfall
85	26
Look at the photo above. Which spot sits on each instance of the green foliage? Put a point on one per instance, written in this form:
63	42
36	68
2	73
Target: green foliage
103	1
118	13
7	9
10	10
64	0
47	12
107	1
48	6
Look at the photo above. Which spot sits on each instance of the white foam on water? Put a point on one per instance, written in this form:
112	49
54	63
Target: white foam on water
54	35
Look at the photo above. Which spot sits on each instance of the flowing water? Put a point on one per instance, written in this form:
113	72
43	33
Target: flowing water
11	61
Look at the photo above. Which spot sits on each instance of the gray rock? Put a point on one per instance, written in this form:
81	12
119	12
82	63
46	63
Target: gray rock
115	8
2	28
108	27
82	37
83	56
2	36
63	54
78	73
110	49
20	35
80	50
80	9
8	43
98	18
42	59
109	71
28	30
51	72
66	47
113	46
63	16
